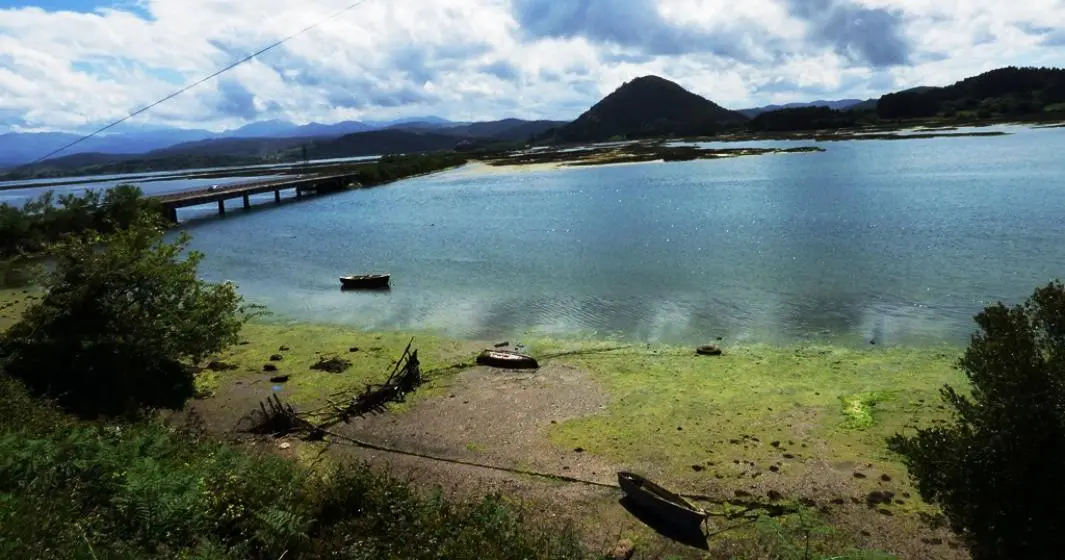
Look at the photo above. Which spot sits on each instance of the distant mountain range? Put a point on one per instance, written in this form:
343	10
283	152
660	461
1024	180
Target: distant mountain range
20	148
645	107
256	143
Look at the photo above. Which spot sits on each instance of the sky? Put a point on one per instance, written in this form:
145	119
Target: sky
72	65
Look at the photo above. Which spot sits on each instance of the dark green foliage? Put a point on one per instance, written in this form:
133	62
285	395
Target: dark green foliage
74	490
393	168
120	323
1005	91
996	468
805	118
648	107
49	219
908	105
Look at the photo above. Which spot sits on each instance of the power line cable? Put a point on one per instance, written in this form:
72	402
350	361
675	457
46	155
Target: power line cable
202	80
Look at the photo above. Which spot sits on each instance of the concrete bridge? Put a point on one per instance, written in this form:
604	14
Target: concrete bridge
221	193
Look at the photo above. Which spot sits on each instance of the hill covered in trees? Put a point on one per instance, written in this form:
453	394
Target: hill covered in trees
1026	93
648	107
1007	91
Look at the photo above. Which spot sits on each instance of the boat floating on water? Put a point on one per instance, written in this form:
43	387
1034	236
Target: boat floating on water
659	501
365	282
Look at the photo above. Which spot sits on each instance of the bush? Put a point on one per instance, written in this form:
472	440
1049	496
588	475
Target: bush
996	468
144	491
120	324
48	219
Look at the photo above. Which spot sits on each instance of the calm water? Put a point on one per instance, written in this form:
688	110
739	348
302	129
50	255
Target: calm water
18	197
897	241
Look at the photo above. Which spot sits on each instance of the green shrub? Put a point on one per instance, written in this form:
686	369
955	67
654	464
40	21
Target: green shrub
120	323
48	219
144	491
996	468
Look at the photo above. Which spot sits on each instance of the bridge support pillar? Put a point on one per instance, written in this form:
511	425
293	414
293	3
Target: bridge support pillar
247	202
299	192
170	214
277	196
221	208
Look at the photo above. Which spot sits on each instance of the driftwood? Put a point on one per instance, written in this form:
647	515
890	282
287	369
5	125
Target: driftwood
405	378
277	418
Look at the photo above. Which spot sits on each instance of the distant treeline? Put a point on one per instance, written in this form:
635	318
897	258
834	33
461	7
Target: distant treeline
1006	91
809	118
394	168
1003	93
49	218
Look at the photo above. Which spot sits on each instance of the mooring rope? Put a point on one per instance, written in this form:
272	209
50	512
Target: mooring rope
751	506
511	470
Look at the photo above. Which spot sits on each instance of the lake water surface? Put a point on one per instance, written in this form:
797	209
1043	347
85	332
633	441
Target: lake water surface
895	241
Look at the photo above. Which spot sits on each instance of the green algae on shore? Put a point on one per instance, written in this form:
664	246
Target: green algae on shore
803	423
13	302
674	409
373	356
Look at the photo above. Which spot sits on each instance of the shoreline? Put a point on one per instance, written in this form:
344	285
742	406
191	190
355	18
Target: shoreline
806	422
917	129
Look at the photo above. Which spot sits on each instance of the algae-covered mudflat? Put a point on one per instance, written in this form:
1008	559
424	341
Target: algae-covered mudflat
798	423
805	423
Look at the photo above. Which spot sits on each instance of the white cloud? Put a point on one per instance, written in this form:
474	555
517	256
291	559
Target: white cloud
482	59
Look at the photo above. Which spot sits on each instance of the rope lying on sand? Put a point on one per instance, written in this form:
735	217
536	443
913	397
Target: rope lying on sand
770	510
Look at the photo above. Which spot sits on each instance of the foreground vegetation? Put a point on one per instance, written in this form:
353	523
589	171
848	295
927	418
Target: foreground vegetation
70	489
996	466
49	218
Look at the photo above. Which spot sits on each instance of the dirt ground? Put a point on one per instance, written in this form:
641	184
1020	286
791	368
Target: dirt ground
502	419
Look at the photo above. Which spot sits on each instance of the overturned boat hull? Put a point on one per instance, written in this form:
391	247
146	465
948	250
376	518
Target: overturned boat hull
661	502
366	282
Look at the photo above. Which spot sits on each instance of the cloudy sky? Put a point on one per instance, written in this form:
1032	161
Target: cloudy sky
75	64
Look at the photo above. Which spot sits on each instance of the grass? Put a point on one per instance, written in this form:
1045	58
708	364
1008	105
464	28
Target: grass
673	409
12	303
301	346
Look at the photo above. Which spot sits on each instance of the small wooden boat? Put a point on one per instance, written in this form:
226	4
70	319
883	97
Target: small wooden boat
659	501
508	360
365	282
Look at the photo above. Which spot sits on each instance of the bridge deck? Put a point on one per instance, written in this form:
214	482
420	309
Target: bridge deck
234	190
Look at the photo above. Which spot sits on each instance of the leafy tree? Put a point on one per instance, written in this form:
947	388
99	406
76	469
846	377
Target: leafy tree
123	318
996	468
49	218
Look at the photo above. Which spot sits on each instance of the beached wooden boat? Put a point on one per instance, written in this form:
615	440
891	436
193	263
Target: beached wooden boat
659	501
505	359
365	282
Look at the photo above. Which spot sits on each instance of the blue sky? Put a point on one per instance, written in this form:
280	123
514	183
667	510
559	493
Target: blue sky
75	5
75	64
